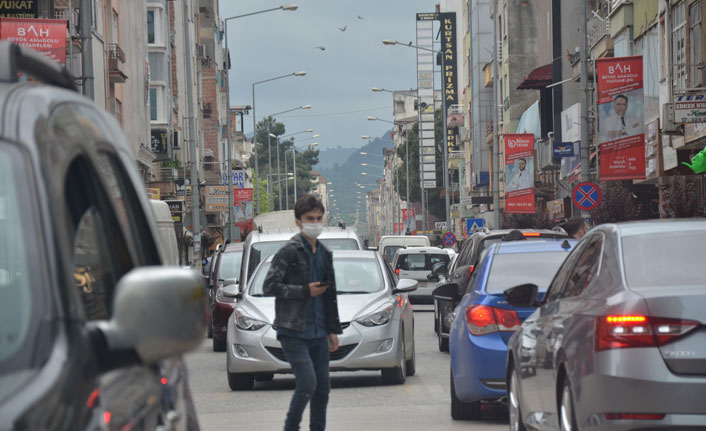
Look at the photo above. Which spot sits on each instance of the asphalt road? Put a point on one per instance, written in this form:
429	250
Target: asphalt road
358	400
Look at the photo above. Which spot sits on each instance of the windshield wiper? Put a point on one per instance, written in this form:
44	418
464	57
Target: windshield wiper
352	292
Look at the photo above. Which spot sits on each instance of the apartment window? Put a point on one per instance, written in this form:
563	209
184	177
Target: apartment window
679	46
115	35
157	103
98	16
119	111
155	26
695	46
622	43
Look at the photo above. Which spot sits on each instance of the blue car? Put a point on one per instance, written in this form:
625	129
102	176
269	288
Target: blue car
484	321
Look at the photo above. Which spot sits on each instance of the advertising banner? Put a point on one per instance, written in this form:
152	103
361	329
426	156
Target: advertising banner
154	193
519	173
242	205
216	198
47	36
690	108
620	118
19	8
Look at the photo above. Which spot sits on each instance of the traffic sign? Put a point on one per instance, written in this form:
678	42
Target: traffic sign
586	196
448	239
474	223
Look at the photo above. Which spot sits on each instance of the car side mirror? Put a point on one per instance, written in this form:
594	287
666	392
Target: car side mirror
439	268
433	277
231	291
158	312
405	285
446	292
523	295
230	281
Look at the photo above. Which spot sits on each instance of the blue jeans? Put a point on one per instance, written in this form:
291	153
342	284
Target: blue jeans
310	364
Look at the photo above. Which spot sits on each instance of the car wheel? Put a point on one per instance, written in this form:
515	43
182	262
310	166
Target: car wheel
264	377
567	417
461	410
436	316
514	410
240	381
411	364
396	375
219	345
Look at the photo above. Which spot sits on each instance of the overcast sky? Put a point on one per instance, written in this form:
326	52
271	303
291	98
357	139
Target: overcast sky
339	79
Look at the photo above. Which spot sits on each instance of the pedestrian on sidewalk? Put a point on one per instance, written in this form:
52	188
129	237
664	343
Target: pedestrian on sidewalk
302	280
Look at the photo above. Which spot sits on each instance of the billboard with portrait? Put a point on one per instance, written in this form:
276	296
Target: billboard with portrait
519	173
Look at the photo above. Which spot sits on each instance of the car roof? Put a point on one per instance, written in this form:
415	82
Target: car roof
360	254
419	250
287	233
535	246
234	246
650	227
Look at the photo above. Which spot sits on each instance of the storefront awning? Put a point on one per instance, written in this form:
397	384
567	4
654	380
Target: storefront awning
538	79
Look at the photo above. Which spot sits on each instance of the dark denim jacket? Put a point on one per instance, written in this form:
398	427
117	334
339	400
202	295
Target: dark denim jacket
288	281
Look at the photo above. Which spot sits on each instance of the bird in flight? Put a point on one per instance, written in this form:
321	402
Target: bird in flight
323	48
343	28
360	17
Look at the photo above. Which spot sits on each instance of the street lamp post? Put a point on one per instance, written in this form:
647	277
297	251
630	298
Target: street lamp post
294	162
254	133
228	121
443	114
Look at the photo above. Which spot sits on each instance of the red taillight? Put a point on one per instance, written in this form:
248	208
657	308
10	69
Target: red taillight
625	331
470	269
397	271
484	319
106	417
531	234
164	380
634	416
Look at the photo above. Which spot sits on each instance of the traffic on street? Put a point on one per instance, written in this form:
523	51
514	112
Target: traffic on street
398	215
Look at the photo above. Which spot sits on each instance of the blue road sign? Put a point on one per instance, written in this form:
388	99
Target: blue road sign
474	223
448	239
586	196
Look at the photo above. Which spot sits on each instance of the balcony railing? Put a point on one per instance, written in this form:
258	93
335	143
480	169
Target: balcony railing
116	57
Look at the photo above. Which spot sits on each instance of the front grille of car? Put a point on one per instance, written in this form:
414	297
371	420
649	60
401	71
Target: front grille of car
339	354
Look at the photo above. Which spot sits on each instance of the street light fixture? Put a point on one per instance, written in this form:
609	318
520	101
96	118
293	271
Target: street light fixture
445	150
290	8
254	129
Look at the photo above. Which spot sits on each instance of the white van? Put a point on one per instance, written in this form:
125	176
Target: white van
166	233
388	245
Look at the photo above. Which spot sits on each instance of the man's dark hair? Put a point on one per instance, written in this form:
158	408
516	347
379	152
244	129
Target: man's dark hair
307	203
621	96
523	159
573	225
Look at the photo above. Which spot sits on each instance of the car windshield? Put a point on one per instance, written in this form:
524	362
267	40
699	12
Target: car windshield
261	251
421	261
390	252
646	257
512	269
340	244
22	298
230	265
353	276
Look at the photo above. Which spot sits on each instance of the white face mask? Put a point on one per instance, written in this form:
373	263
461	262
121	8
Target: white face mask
312	230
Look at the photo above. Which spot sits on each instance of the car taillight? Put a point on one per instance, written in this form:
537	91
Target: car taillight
625	331
397	271
470	269
531	234
484	319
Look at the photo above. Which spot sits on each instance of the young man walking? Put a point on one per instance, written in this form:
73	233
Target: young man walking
302	280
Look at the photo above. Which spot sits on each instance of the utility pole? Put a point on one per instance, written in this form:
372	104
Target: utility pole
85	24
585	169
195	192
496	119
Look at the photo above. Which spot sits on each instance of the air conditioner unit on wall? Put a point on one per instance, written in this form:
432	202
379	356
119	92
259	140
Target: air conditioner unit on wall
201	50
668	125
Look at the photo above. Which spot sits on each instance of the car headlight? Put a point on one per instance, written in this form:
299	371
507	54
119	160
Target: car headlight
247	323
379	317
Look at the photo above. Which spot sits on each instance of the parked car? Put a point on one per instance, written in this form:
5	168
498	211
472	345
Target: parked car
462	269
618	342
375	314
209	274
226	272
389	244
84	326
416	263
260	245
484	321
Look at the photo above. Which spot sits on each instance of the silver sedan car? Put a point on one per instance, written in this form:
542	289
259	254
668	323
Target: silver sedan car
618	342
375	313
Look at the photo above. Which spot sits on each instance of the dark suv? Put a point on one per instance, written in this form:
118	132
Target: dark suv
462	268
91	323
